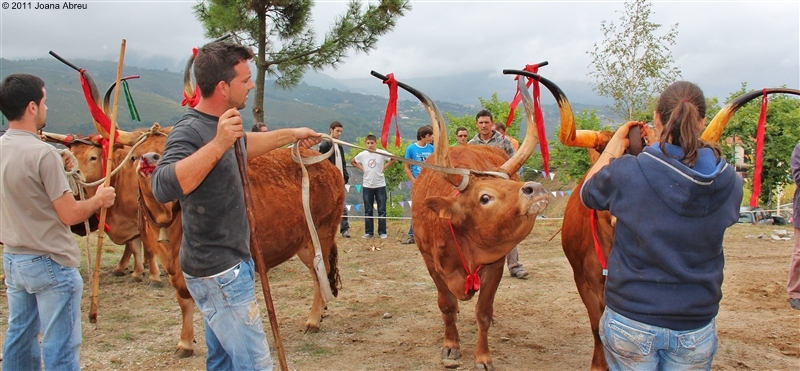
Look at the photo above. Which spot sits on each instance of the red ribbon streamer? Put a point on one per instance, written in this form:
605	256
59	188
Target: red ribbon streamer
195	98
391	111
537	109
598	248
473	281
760	131
97	113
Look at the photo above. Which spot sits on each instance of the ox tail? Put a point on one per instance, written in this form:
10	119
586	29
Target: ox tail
333	274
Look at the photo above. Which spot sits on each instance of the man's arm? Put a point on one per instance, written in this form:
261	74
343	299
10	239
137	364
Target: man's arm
261	143
72	212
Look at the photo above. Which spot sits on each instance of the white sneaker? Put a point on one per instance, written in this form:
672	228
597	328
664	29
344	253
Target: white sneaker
366	236
384	236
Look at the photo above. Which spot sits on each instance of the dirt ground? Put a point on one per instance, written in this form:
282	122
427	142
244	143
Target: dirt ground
540	323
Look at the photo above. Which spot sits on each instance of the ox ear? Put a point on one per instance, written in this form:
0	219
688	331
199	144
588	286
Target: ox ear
445	207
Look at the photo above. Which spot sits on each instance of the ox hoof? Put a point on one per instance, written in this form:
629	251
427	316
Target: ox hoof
312	329
118	273
183	353
136	278
451	353
484	367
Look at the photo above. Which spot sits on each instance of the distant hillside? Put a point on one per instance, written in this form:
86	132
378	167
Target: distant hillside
158	94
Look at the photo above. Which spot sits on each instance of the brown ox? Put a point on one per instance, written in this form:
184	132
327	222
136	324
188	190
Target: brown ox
122	216
576	233
478	224
275	187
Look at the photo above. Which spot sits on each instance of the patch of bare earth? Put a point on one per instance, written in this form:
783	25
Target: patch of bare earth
540	323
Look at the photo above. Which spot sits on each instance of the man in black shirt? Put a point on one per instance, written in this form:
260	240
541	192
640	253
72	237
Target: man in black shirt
325	146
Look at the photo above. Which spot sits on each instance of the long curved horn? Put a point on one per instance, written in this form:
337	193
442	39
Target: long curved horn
531	136
714	129
568	135
188	86
441	147
107	97
57	138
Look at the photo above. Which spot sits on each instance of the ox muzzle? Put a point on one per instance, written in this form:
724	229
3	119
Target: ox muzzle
537	197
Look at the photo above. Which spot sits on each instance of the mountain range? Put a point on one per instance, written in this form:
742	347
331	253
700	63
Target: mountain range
360	104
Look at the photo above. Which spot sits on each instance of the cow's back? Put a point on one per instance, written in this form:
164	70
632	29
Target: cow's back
275	184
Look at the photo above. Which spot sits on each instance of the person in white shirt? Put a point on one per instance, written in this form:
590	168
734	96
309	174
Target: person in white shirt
372	163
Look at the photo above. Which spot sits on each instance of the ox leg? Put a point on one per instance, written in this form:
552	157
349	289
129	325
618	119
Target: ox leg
590	287
314	320
484	311
122	266
154	275
448	305
186	342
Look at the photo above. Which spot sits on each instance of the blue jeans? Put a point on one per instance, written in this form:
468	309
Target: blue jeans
42	296
234	333
633	345
370	196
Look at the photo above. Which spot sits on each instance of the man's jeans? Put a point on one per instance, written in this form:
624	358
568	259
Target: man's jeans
234	332
42	296
345	225
370	196
633	345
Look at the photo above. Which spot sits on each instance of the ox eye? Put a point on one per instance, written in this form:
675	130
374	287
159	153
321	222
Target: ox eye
485	199
93	158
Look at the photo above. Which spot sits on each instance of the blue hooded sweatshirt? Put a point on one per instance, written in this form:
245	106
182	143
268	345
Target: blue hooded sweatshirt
665	266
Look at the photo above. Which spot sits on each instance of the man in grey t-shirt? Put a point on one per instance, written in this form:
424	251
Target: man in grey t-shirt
199	169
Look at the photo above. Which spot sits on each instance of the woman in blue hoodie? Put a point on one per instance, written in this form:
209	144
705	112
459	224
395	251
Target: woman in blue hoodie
673	203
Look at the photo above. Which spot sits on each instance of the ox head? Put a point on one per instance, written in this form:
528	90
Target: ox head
476	188
87	151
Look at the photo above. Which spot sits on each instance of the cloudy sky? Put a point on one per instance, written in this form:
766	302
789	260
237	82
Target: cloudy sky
720	44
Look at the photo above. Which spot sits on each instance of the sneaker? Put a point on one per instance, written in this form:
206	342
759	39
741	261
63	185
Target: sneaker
346	234
408	241
795	303
384	236
521	274
367	236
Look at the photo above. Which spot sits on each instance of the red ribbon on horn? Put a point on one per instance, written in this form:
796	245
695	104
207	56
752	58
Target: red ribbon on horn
195	98
537	110
97	113
391	111
760	132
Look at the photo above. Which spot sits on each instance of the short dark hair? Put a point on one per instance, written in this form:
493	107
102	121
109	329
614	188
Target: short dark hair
17	91
257	126
215	62
371	137
423	131
500	126
335	124
483	113
461	128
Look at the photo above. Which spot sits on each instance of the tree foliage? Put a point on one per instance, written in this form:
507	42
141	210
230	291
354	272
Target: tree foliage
781	135
283	35
633	64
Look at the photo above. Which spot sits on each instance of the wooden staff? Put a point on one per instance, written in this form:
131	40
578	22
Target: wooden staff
106	183
255	249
